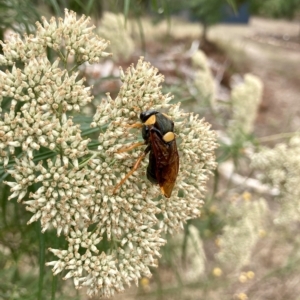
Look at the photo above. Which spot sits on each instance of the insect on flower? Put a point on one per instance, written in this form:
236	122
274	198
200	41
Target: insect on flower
158	135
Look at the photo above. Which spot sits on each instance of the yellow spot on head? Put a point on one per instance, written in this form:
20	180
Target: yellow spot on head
151	120
217	272
169	136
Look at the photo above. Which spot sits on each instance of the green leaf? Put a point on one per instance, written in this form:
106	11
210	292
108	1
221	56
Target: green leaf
89	6
233	5
56	7
126	10
83	121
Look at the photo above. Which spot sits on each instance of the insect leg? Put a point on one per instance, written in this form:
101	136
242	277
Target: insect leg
132	146
135	167
135	125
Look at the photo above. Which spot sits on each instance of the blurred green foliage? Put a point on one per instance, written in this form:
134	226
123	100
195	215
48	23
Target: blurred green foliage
17	15
20	252
23	241
276	8
208	12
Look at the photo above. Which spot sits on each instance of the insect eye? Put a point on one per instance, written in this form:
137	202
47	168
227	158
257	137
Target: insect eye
142	116
145	132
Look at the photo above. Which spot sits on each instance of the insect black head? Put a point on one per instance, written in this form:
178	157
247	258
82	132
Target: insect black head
144	116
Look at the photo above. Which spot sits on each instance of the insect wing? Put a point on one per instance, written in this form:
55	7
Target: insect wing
166	162
151	169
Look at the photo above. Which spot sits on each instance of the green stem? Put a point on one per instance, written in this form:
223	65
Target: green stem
61	56
54	287
142	35
41	260
87	160
3	200
66	60
216	182
74	68
277	136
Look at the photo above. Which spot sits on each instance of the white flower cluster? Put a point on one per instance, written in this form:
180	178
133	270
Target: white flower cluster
113	238
113	28
70	35
242	233
196	143
42	92
245	99
281	168
204	80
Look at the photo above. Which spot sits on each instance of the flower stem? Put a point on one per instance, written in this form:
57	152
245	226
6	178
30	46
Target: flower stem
41	260
62	57
85	162
73	68
54	286
276	136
